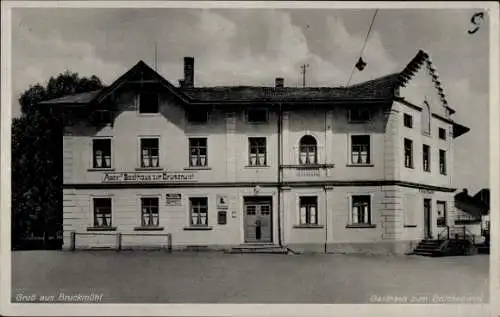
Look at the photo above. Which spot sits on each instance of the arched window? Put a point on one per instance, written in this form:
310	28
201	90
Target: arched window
426	118
308	150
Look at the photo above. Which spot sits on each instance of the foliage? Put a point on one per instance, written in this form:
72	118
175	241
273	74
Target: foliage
37	158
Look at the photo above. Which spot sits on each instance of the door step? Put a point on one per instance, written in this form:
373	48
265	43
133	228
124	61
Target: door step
258	248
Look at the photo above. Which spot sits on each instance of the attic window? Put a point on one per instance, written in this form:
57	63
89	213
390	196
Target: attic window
197	115
257	115
359	114
102	116
148	102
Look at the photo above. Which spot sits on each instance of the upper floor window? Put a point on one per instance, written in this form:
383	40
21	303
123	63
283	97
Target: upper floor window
150	152
257	115
426	159
149	212
308	150
198	152
426	118
360	149
361	210
442	134
257	151
102	212
442	162
197	115
148	102
309	210
359	114
408	144
101	149
408	120
198	211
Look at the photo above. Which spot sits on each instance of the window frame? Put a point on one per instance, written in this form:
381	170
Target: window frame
442	133
411	163
307	207
139	100
351	152
199	217
94	221
308	152
442	162
258	153
141	157
444	216
93	156
351	222
409	123
151	216
198	154
428	147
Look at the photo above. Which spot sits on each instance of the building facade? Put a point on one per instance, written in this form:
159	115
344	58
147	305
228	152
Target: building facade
364	168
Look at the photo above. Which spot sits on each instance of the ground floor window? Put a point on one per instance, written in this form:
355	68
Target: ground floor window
441	213
102	212
308	210
199	211
149	212
361	210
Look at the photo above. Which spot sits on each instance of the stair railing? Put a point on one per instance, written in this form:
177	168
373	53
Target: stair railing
444	234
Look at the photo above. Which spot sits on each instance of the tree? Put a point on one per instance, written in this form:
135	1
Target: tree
37	158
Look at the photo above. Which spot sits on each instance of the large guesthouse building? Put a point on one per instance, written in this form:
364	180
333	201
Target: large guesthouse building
363	168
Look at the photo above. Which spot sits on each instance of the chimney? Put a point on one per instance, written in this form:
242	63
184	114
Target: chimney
188	72
280	82
465	191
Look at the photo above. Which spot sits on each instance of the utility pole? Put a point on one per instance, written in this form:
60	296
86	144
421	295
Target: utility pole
303	71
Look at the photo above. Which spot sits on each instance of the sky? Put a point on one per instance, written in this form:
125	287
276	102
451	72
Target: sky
253	46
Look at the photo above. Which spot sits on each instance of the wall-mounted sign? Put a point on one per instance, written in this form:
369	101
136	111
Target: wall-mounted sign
174	199
426	191
148	177
222	202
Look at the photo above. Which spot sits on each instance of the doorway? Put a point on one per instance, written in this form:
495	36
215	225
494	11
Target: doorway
257	213
427	219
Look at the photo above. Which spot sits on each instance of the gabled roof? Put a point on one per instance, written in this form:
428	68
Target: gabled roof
422	59
380	88
74	99
377	89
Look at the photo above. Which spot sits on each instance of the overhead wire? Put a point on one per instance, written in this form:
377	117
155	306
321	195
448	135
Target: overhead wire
363	48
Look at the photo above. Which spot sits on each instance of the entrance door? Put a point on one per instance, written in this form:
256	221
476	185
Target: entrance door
258	220
427	219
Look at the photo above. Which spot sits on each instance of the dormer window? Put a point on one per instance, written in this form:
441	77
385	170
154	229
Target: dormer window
148	102
257	115
197	115
359	115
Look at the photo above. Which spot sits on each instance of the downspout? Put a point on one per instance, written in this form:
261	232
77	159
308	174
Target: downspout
280	158
324	188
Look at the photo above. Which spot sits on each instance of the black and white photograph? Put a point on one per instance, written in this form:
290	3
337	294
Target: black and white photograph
236	153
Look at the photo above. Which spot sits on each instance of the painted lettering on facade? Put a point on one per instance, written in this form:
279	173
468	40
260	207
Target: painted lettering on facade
141	177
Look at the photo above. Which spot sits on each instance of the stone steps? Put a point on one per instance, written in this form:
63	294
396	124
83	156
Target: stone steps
258	248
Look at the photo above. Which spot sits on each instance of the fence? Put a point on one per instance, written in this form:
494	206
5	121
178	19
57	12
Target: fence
117	243
457	233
